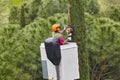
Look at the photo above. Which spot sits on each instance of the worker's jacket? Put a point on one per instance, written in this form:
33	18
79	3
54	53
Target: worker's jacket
58	38
52	47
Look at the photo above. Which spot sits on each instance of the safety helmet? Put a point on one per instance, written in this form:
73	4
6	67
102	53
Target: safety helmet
55	27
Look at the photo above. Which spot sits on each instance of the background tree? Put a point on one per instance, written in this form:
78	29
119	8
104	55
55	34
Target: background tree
17	14
102	46
4	12
113	12
78	20
19	48
93	7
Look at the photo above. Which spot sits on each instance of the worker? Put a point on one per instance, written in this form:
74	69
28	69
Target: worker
69	31
57	34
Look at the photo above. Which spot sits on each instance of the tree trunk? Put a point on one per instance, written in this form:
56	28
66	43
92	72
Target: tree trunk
79	36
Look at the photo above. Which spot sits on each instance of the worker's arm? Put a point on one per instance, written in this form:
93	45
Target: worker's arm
61	41
65	41
63	29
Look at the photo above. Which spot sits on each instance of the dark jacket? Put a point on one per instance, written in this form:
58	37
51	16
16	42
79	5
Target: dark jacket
53	50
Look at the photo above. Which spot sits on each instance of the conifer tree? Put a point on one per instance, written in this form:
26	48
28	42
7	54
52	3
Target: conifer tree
78	21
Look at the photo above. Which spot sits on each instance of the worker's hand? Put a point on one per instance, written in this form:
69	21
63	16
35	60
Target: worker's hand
65	27
65	42
69	37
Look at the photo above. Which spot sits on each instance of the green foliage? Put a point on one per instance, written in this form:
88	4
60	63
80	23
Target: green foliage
22	16
113	12
37	8
27	12
4	11
16	2
58	18
14	16
19	52
78	21
32	10
19	48
52	7
92	7
103	47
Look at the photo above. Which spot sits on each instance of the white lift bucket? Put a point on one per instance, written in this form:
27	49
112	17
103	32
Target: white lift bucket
68	68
